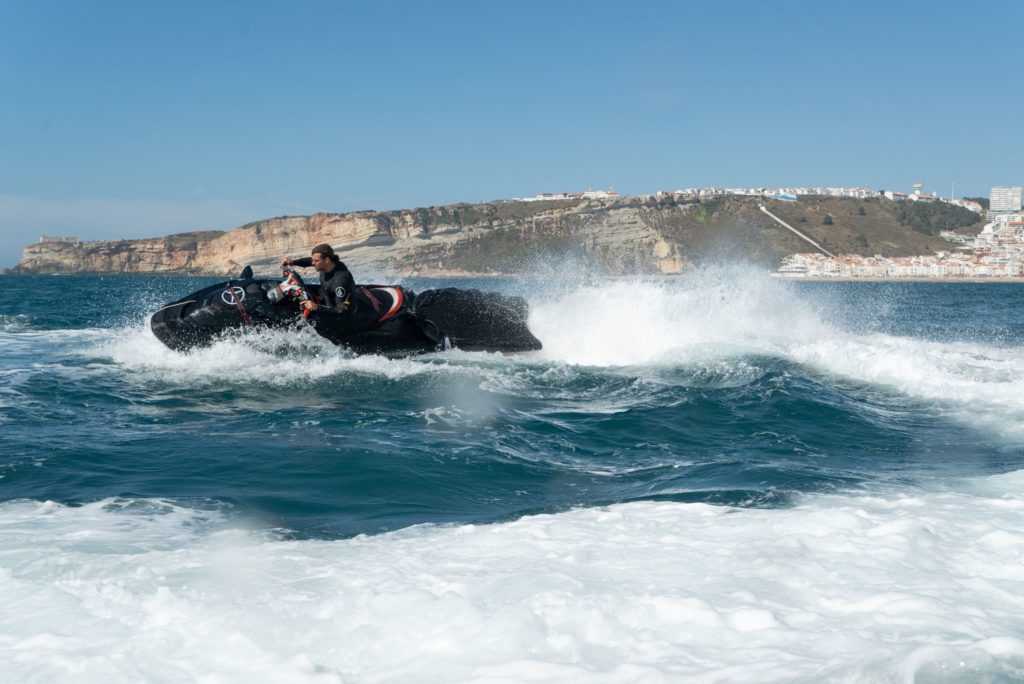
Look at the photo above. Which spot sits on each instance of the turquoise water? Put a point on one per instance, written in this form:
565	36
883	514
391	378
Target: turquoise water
722	392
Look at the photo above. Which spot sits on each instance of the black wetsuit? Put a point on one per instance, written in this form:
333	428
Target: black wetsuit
344	308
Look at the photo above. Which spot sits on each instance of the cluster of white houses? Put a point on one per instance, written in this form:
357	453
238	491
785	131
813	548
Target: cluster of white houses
586	194
52	238
996	252
789	194
940	265
785	194
792	194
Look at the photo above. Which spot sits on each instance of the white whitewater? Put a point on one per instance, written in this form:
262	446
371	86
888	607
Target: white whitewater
895	587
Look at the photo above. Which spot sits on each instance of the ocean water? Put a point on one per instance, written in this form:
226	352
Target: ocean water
717	478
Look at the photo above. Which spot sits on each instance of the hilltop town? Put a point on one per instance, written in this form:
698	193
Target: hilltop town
996	252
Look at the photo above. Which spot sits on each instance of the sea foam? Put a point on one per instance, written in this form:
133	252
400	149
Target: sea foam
737	313
898	586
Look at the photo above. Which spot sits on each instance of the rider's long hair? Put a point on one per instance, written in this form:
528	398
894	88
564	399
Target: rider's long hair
325	250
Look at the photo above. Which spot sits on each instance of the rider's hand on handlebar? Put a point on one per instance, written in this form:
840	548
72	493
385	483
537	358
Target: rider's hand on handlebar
309	305
286	262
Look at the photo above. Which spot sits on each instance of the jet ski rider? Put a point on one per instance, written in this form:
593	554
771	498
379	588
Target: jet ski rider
342	304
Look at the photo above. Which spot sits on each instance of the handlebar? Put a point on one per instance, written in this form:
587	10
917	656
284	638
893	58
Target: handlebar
292	286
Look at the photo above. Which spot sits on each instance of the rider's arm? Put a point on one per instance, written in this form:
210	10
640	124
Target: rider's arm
325	312
303	262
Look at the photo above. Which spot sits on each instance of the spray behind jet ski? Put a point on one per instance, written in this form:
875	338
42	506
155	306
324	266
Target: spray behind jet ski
407	323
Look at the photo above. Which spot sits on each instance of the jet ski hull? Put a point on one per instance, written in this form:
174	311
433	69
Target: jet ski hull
433	320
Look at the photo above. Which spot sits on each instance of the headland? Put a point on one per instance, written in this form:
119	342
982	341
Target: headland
652	235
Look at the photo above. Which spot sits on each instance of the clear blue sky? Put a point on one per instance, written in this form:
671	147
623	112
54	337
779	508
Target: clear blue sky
132	119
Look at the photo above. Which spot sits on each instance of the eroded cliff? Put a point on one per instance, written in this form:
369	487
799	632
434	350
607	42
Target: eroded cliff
170	254
491	238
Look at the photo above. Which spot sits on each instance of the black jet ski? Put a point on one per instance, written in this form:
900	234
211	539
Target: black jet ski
407	322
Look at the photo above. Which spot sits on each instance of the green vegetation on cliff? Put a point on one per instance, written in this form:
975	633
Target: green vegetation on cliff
931	217
465	215
736	228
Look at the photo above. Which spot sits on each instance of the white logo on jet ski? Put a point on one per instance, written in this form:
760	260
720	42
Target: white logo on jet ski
239	295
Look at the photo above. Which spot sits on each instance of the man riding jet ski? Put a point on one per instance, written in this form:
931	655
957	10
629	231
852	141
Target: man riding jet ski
369	319
341	305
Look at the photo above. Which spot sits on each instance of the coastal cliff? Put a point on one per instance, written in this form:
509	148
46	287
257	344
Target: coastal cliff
170	254
623	236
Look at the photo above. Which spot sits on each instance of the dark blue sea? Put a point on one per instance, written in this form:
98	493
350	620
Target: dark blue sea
723	477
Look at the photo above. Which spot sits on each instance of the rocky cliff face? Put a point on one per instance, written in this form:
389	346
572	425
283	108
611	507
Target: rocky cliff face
625	236
171	254
483	238
492	238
